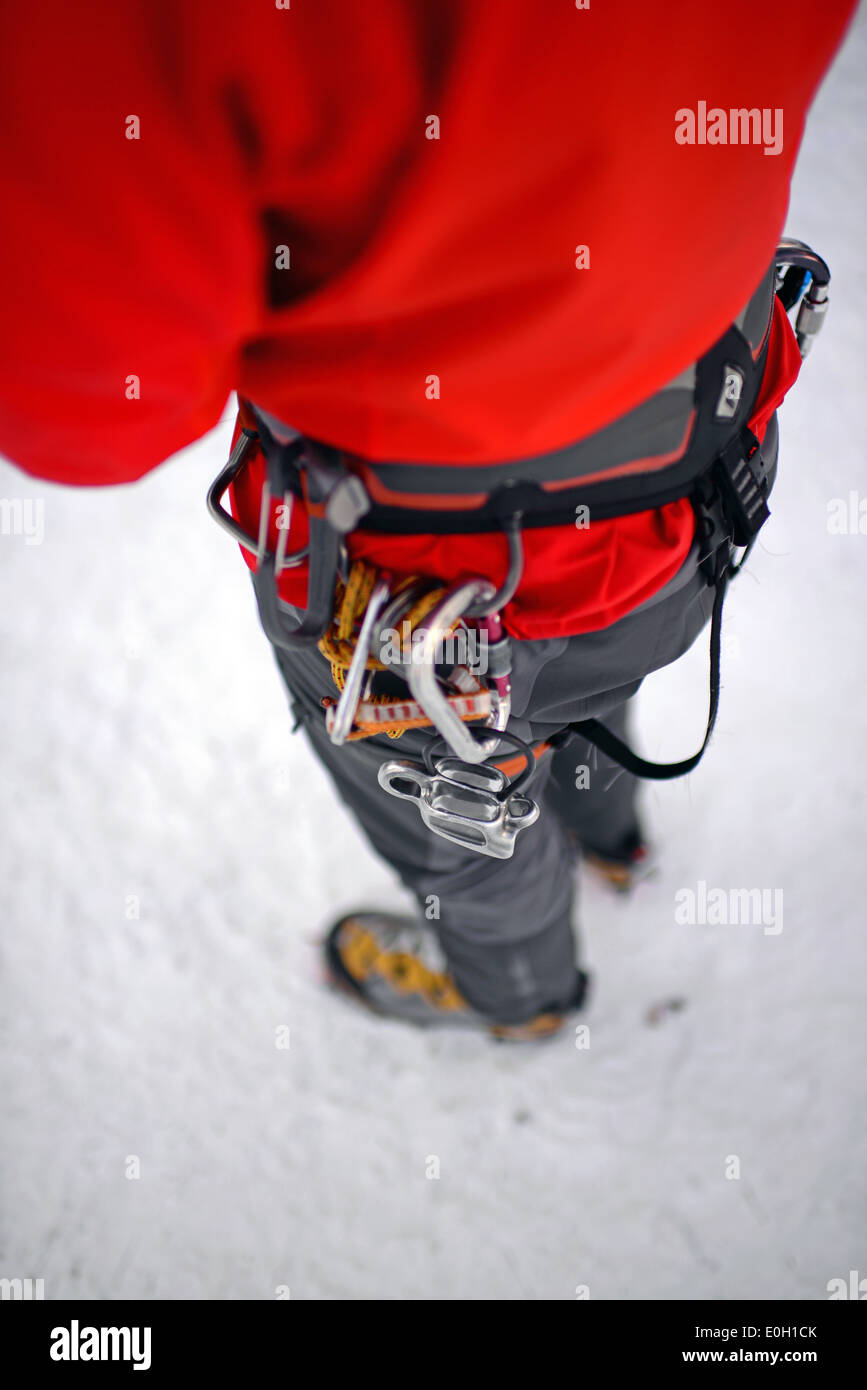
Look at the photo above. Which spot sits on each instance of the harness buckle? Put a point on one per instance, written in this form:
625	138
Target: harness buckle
741	479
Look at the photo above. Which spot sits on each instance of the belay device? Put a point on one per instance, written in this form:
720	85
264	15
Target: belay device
689	440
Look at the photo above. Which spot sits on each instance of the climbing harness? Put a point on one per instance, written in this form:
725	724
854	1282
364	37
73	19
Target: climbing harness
689	440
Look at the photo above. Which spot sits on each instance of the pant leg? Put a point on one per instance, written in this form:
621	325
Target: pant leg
505	925
590	793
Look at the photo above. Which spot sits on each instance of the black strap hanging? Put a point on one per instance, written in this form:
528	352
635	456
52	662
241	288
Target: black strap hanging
620	752
730	511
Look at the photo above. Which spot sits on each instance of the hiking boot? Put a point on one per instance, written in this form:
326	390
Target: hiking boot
631	861
388	963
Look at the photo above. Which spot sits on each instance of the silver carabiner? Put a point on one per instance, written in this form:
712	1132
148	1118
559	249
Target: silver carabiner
421	677
352	688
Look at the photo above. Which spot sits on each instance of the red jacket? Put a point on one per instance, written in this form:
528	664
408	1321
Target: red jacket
409	257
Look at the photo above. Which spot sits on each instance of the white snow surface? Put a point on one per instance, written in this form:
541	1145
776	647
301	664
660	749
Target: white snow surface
147	753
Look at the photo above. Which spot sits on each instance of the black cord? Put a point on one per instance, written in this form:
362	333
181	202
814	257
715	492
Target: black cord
523	779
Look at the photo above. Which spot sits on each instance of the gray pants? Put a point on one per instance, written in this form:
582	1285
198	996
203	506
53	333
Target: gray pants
506	925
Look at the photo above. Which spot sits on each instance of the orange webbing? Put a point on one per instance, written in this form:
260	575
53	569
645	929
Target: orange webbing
512	766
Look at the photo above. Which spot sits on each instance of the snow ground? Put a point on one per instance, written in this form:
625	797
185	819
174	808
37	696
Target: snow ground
146	752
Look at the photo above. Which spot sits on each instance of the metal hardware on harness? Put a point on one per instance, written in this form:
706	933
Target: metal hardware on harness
469	805
335	502
795	262
418	666
487	607
740	476
811	316
351	693
421	677
739	469
220	486
473	805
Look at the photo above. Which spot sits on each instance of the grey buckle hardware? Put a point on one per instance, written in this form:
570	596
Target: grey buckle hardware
347	503
469	805
730	395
